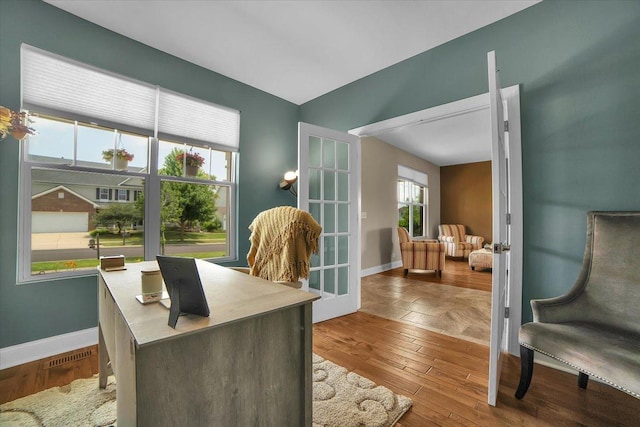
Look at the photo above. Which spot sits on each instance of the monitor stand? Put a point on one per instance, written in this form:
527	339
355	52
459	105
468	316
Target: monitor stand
174	310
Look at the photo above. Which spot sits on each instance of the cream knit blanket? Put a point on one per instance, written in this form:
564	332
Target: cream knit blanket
282	241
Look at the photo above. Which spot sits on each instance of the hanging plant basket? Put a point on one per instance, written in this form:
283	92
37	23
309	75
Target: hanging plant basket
191	170
119	158
121	164
191	161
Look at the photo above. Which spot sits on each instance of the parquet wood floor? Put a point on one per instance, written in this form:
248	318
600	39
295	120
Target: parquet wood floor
457	304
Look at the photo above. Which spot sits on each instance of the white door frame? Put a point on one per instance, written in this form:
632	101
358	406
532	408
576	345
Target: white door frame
481	102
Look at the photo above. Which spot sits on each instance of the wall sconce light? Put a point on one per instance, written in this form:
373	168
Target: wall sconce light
290	178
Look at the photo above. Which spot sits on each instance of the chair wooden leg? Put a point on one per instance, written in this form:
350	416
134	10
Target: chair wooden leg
440	273
583	379
406	272
526	371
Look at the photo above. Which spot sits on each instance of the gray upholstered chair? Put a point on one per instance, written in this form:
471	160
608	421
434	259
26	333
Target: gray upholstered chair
595	326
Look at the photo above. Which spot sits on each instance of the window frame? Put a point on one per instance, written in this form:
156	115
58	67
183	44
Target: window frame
411	204
152	181
103	199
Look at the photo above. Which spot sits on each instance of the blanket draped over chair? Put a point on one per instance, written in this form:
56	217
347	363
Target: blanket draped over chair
282	241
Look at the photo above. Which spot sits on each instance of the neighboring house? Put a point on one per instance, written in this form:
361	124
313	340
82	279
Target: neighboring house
61	202
60	209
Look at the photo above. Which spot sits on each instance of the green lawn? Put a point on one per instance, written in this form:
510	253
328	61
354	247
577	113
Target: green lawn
83	264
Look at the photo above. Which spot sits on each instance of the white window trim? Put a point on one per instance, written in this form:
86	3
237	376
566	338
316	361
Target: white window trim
425	206
152	212
103	199
43	100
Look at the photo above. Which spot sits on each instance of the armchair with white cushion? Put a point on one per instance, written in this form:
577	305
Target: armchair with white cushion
456	242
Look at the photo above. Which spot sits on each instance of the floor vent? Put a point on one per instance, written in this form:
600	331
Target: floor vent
61	360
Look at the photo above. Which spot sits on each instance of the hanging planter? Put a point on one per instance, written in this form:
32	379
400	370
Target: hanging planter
191	170
121	164
119	158
15	124
191	161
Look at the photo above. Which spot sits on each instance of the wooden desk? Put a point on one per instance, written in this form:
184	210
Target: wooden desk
247	364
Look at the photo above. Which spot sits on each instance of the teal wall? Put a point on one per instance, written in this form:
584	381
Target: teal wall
268	141
578	64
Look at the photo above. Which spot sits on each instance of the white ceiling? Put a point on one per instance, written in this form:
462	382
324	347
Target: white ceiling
296	50
463	138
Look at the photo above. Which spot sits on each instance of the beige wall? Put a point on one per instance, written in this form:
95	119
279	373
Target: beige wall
379	173
466	197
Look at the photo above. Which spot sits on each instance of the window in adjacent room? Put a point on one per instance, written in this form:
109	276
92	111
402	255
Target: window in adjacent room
143	170
413	201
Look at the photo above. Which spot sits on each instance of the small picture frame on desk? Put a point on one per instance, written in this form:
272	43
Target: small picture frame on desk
112	263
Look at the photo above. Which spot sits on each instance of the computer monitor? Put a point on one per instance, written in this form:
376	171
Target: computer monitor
184	287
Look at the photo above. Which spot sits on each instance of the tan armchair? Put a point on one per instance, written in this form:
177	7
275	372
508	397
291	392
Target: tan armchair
420	255
595	326
456	242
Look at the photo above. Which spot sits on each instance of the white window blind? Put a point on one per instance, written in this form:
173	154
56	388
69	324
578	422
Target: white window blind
195	119
413	175
58	84
54	84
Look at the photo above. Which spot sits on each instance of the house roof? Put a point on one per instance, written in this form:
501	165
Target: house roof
70	177
68	190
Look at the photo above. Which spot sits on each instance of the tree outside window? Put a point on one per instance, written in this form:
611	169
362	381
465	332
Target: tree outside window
412	207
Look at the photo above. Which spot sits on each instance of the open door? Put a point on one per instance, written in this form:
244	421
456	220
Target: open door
328	188
501	239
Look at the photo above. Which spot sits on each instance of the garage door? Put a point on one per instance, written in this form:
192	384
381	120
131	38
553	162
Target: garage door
59	222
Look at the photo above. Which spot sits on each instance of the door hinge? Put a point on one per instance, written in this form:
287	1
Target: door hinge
506	312
508	219
506	125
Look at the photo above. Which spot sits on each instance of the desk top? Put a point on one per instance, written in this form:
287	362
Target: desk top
232	296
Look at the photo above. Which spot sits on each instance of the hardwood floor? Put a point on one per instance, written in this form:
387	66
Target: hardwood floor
457	304
445	376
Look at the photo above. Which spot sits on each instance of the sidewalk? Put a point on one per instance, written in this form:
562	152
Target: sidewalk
45	241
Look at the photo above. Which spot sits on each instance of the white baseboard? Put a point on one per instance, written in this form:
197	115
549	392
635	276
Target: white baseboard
47	347
380	268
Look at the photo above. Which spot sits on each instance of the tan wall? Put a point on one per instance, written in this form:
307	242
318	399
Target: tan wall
379	174
465	197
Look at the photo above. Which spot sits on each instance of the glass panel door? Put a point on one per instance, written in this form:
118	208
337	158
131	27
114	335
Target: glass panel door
328	189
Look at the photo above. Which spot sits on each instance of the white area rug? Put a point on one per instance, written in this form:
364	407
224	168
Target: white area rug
340	399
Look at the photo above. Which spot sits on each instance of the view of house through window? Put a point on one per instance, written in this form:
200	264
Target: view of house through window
119	166
87	202
412	207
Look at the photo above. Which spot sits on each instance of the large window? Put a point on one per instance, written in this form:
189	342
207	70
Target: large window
413	201
96	183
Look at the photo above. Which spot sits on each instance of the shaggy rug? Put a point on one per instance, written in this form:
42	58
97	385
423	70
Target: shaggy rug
340	399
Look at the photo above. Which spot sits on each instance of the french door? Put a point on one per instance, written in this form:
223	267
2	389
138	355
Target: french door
328	188
501	237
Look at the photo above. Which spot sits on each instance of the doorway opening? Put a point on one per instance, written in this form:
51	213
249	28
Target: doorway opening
464	120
